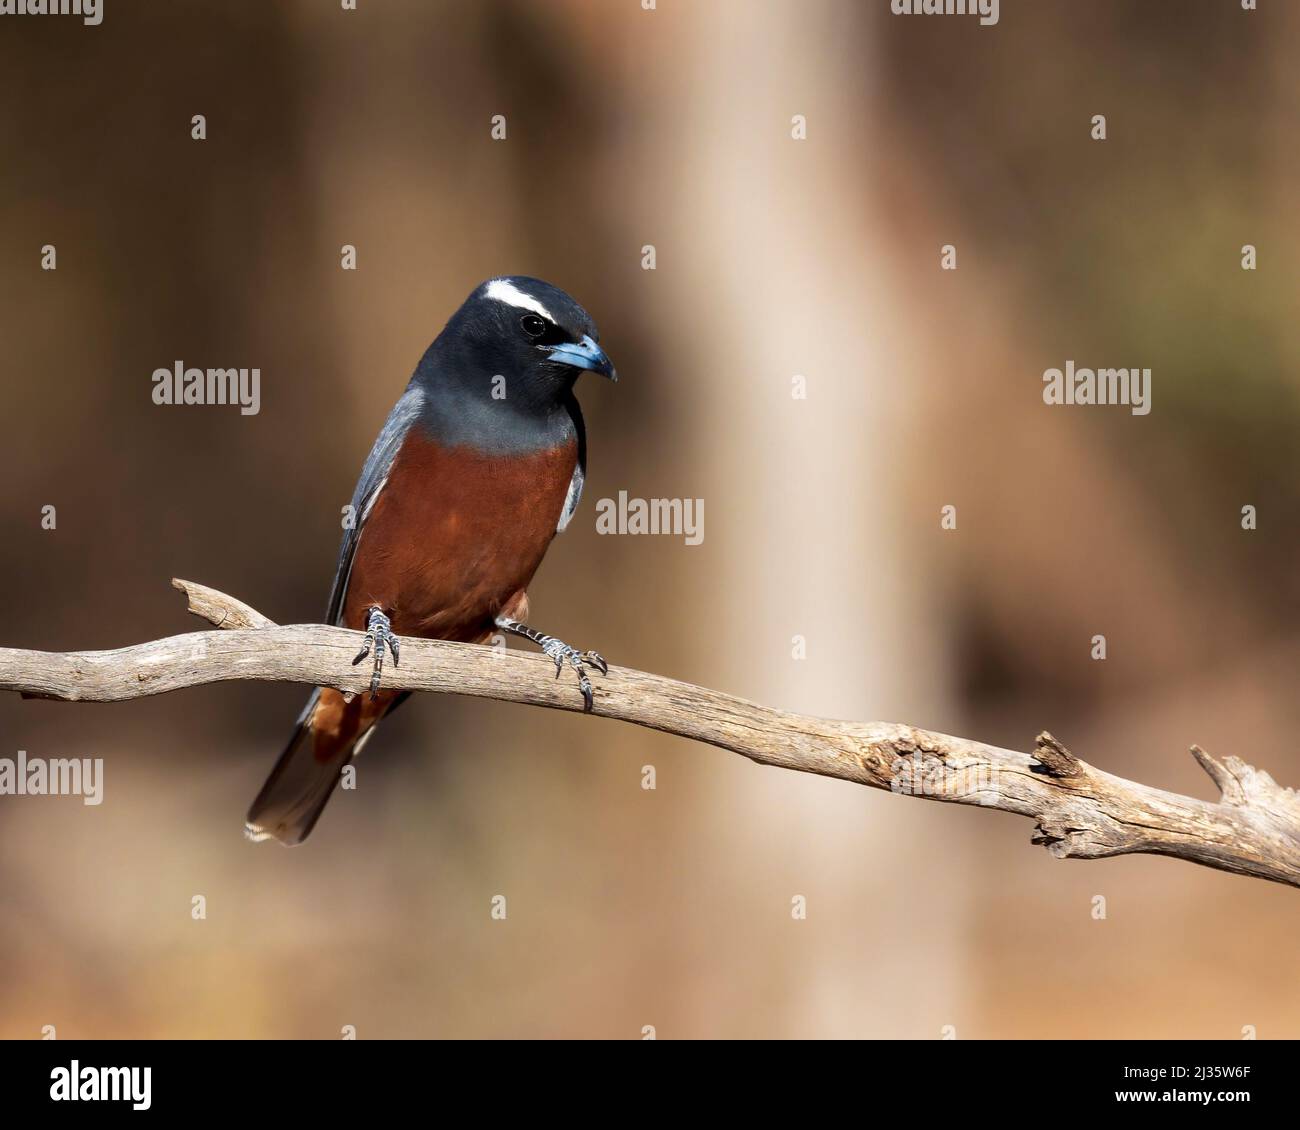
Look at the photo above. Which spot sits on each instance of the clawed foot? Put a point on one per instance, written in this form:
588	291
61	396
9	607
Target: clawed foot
562	653
379	634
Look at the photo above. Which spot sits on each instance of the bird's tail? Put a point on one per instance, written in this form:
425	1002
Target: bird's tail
330	732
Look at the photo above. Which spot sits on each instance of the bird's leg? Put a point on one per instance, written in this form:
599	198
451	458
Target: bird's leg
561	653
379	634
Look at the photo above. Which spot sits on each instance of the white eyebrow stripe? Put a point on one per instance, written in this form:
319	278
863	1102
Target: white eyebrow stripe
503	290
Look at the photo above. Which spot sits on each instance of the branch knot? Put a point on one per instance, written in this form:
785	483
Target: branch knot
1056	760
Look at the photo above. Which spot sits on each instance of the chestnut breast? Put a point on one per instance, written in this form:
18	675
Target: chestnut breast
454	533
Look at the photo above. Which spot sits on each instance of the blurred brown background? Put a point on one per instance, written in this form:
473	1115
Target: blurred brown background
775	257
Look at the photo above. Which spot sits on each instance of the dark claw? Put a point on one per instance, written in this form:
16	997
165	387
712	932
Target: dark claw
362	653
596	660
584	684
396	649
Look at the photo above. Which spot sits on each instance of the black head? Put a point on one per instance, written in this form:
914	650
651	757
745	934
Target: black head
528	331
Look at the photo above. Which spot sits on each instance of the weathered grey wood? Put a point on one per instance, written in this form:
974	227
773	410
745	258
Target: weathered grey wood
1080	811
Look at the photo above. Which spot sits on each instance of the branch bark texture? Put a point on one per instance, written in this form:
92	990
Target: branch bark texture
1079	811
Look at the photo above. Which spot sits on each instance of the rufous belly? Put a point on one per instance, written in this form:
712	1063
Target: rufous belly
454	536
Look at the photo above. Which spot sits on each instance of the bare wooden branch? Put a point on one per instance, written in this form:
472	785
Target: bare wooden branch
222	610
1080	811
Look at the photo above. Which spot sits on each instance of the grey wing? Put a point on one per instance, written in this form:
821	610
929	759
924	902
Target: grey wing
373	476
574	496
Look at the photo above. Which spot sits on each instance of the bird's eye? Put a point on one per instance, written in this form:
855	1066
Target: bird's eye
533	324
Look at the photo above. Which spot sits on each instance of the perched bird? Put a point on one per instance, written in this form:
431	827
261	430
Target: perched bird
478	466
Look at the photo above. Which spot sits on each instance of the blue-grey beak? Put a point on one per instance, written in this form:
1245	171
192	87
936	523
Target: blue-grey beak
584	354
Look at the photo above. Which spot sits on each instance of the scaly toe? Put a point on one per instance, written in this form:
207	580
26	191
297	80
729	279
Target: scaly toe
596	660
